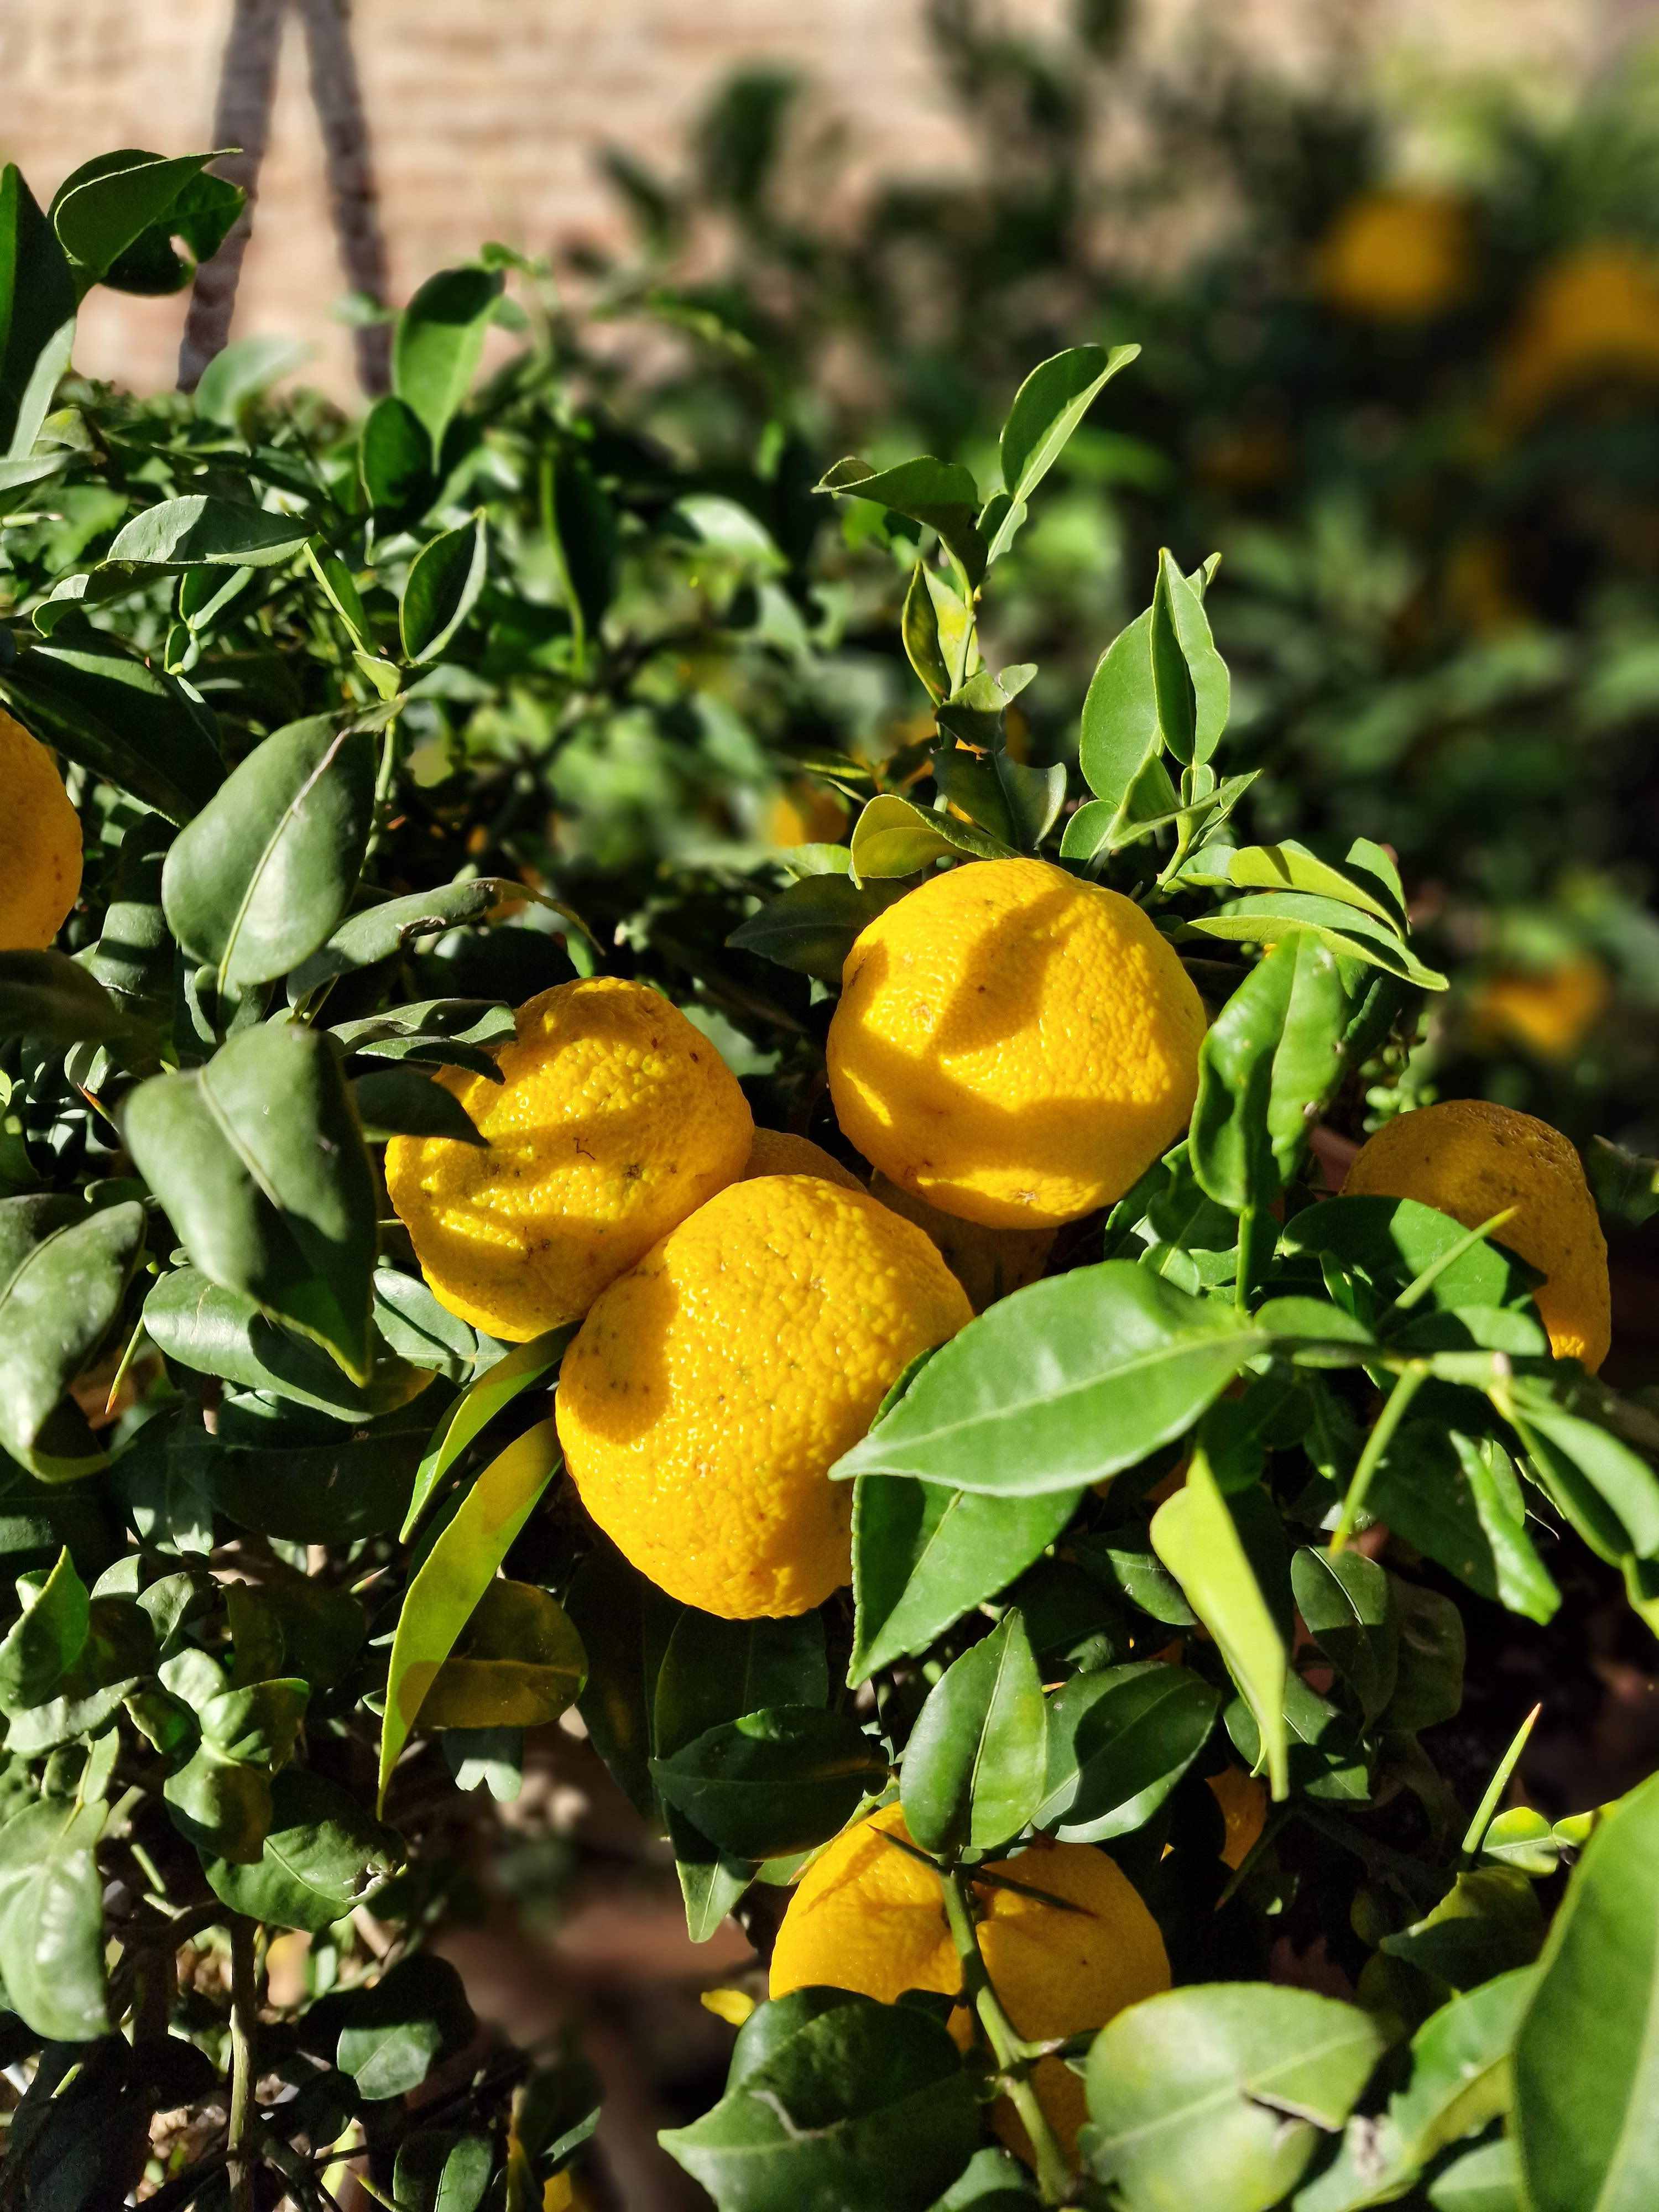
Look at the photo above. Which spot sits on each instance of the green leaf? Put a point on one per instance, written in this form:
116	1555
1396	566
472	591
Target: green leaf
1625	1184
1390	1242
1489	1922
919	627
524	1366
191	1320
894	836
245	370
1265	917
972	1768
444	583
715	1671
439	345
924	1555
1194	1535
1119	1741
425	1334
1120	736
258	880
1459	2076
1047	408
394	459
398	2029
104	210
940	495
440	2170
1586	2112
1216	2094
773	1782
49	996
378	933
37	315
517	1663
1485	2179
100	706
199	529
1267	1064
47	1636
52	1919
400	1102
259	1160
1586	1466
1060	1384
1429	1669
59	1304
455	1576
582	531
1346	1603
833	2100
812	926
1457	1498
1290	867
1173	692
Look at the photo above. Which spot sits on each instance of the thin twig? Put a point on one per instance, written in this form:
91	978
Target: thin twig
242	2149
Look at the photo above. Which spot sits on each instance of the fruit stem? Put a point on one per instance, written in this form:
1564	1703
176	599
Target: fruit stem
1011	2053
1407	1383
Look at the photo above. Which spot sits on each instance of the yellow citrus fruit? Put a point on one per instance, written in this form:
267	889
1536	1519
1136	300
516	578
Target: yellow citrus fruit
867	1916
710	1390
1548	1010
1014	1045
1593	317
803	814
988	1263
1243	1803
1396	257
776	1151
613	1120
39	843
1471	1159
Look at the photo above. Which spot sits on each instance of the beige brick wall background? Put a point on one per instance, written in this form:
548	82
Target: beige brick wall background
485	117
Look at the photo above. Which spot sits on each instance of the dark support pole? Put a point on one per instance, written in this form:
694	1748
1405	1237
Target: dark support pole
336	93
247	85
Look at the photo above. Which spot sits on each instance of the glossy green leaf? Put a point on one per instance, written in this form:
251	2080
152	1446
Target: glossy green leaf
47	1636
1266	917
243	371
37	314
1290	867
1194	1535
128	723
59	1304
522	1368
1345	1601
1267	1064
1120	735
942	495
259	1163
258	880
445	579
1459	2076
200	529
378	933
400	1102
924	1555
973	1772
517	1663
398	2029
1456	1498
52	1919
1047	408
441	2170
1061	1383
394	459
894	836
1390	1242
1485	2179
115	217
834	2099
439	345
198	1323
1586	2057
919	627
774	1782
1119	1741
1575	1456
812	926
453	1576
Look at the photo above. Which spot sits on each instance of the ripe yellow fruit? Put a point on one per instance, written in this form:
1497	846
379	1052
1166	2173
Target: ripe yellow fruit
1593	317
988	1263
614	1119
1471	1159
867	1916
804	813
1396	257
1243	1803
776	1151
1549	1010
710	1391
39	843
1014	1045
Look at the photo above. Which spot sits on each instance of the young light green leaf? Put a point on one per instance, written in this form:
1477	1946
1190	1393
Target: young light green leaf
941	495
258	880
919	627
1047	408
1194	1536
1290	867
1060	1384
453	1576
1216	2094
894	836
524	1366
972	1768
52	1919
1265	917
1267	1063
439	345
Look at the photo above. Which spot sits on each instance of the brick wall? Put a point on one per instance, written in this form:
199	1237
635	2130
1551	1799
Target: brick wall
485	117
